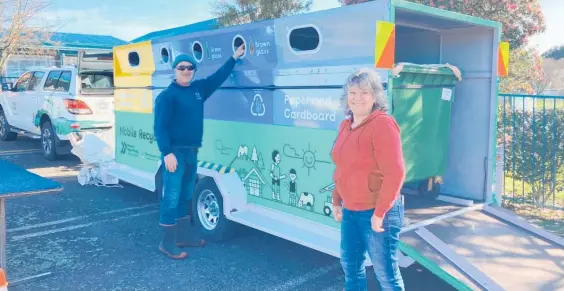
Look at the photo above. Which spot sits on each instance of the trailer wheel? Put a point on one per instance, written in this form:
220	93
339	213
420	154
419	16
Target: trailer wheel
207	205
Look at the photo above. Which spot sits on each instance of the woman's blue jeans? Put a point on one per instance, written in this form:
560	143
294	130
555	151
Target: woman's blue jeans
358	238
178	187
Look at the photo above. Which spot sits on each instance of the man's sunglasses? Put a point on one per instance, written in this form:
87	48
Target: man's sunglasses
182	68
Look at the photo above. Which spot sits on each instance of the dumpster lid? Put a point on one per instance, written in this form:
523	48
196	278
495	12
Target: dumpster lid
435	69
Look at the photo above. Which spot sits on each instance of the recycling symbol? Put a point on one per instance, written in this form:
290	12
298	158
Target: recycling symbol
257	106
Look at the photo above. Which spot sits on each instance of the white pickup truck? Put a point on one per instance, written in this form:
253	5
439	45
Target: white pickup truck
52	104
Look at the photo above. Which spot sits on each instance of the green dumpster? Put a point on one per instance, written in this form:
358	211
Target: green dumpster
421	103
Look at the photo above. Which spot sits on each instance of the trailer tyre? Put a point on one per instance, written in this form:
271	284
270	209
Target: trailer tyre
207	207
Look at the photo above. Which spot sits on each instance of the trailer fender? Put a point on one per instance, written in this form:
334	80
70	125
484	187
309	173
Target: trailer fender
218	193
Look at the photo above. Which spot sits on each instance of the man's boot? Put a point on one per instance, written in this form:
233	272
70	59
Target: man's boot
168	245
187	234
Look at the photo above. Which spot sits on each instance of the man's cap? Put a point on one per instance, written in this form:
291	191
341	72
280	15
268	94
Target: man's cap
184	58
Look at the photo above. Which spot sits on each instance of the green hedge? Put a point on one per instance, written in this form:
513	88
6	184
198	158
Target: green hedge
534	149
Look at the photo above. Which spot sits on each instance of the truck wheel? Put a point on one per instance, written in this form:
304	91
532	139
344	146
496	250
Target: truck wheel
207	206
5	132
48	141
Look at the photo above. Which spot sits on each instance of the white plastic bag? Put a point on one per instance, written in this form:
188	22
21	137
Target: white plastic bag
96	151
94	147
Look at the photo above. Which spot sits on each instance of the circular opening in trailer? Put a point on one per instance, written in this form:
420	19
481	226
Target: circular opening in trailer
165	56
133	58
238	40
197	51
304	39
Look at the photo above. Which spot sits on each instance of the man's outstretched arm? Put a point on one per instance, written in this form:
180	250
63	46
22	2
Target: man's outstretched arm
211	83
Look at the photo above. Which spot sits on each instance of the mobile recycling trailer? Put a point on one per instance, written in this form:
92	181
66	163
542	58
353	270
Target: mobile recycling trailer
265	161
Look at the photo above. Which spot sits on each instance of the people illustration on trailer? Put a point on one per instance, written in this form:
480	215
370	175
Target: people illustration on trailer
275	174
252	179
291	185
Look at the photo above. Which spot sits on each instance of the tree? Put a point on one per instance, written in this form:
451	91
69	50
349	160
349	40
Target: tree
535	152
260	162
520	19
18	33
246	11
254	156
555	53
554	69
526	74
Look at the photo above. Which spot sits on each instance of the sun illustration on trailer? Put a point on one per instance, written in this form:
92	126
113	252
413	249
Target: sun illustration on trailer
308	156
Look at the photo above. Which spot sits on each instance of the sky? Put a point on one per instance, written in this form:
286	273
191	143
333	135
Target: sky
127	22
553	10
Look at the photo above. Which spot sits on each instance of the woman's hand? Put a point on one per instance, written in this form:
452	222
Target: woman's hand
338	213
239	52
377	224
170	162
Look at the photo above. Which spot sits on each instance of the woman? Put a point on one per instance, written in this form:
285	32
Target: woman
368	176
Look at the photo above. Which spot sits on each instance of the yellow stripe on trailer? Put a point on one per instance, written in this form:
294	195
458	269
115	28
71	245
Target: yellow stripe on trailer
216	167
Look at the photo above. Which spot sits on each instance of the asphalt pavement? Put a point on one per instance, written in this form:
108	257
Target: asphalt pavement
98	238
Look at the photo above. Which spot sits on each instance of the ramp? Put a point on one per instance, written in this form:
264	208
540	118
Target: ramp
487	248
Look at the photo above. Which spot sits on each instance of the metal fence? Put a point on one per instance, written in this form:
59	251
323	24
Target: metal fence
4	83
8	79
531	134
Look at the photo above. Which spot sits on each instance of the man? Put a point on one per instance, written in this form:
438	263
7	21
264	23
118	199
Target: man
178	128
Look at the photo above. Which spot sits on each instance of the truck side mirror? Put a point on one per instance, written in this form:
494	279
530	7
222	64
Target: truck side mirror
7	86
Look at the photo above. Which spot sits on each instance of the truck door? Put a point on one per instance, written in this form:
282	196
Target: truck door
15	111
30	102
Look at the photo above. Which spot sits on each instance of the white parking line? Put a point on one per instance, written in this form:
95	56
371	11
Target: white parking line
40	233
19	152
54	172
55	222
296	282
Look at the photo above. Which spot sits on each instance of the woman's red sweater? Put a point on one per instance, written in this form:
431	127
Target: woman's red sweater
369	164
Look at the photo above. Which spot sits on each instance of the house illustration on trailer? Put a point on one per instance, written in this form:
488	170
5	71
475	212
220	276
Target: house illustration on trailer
254	182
